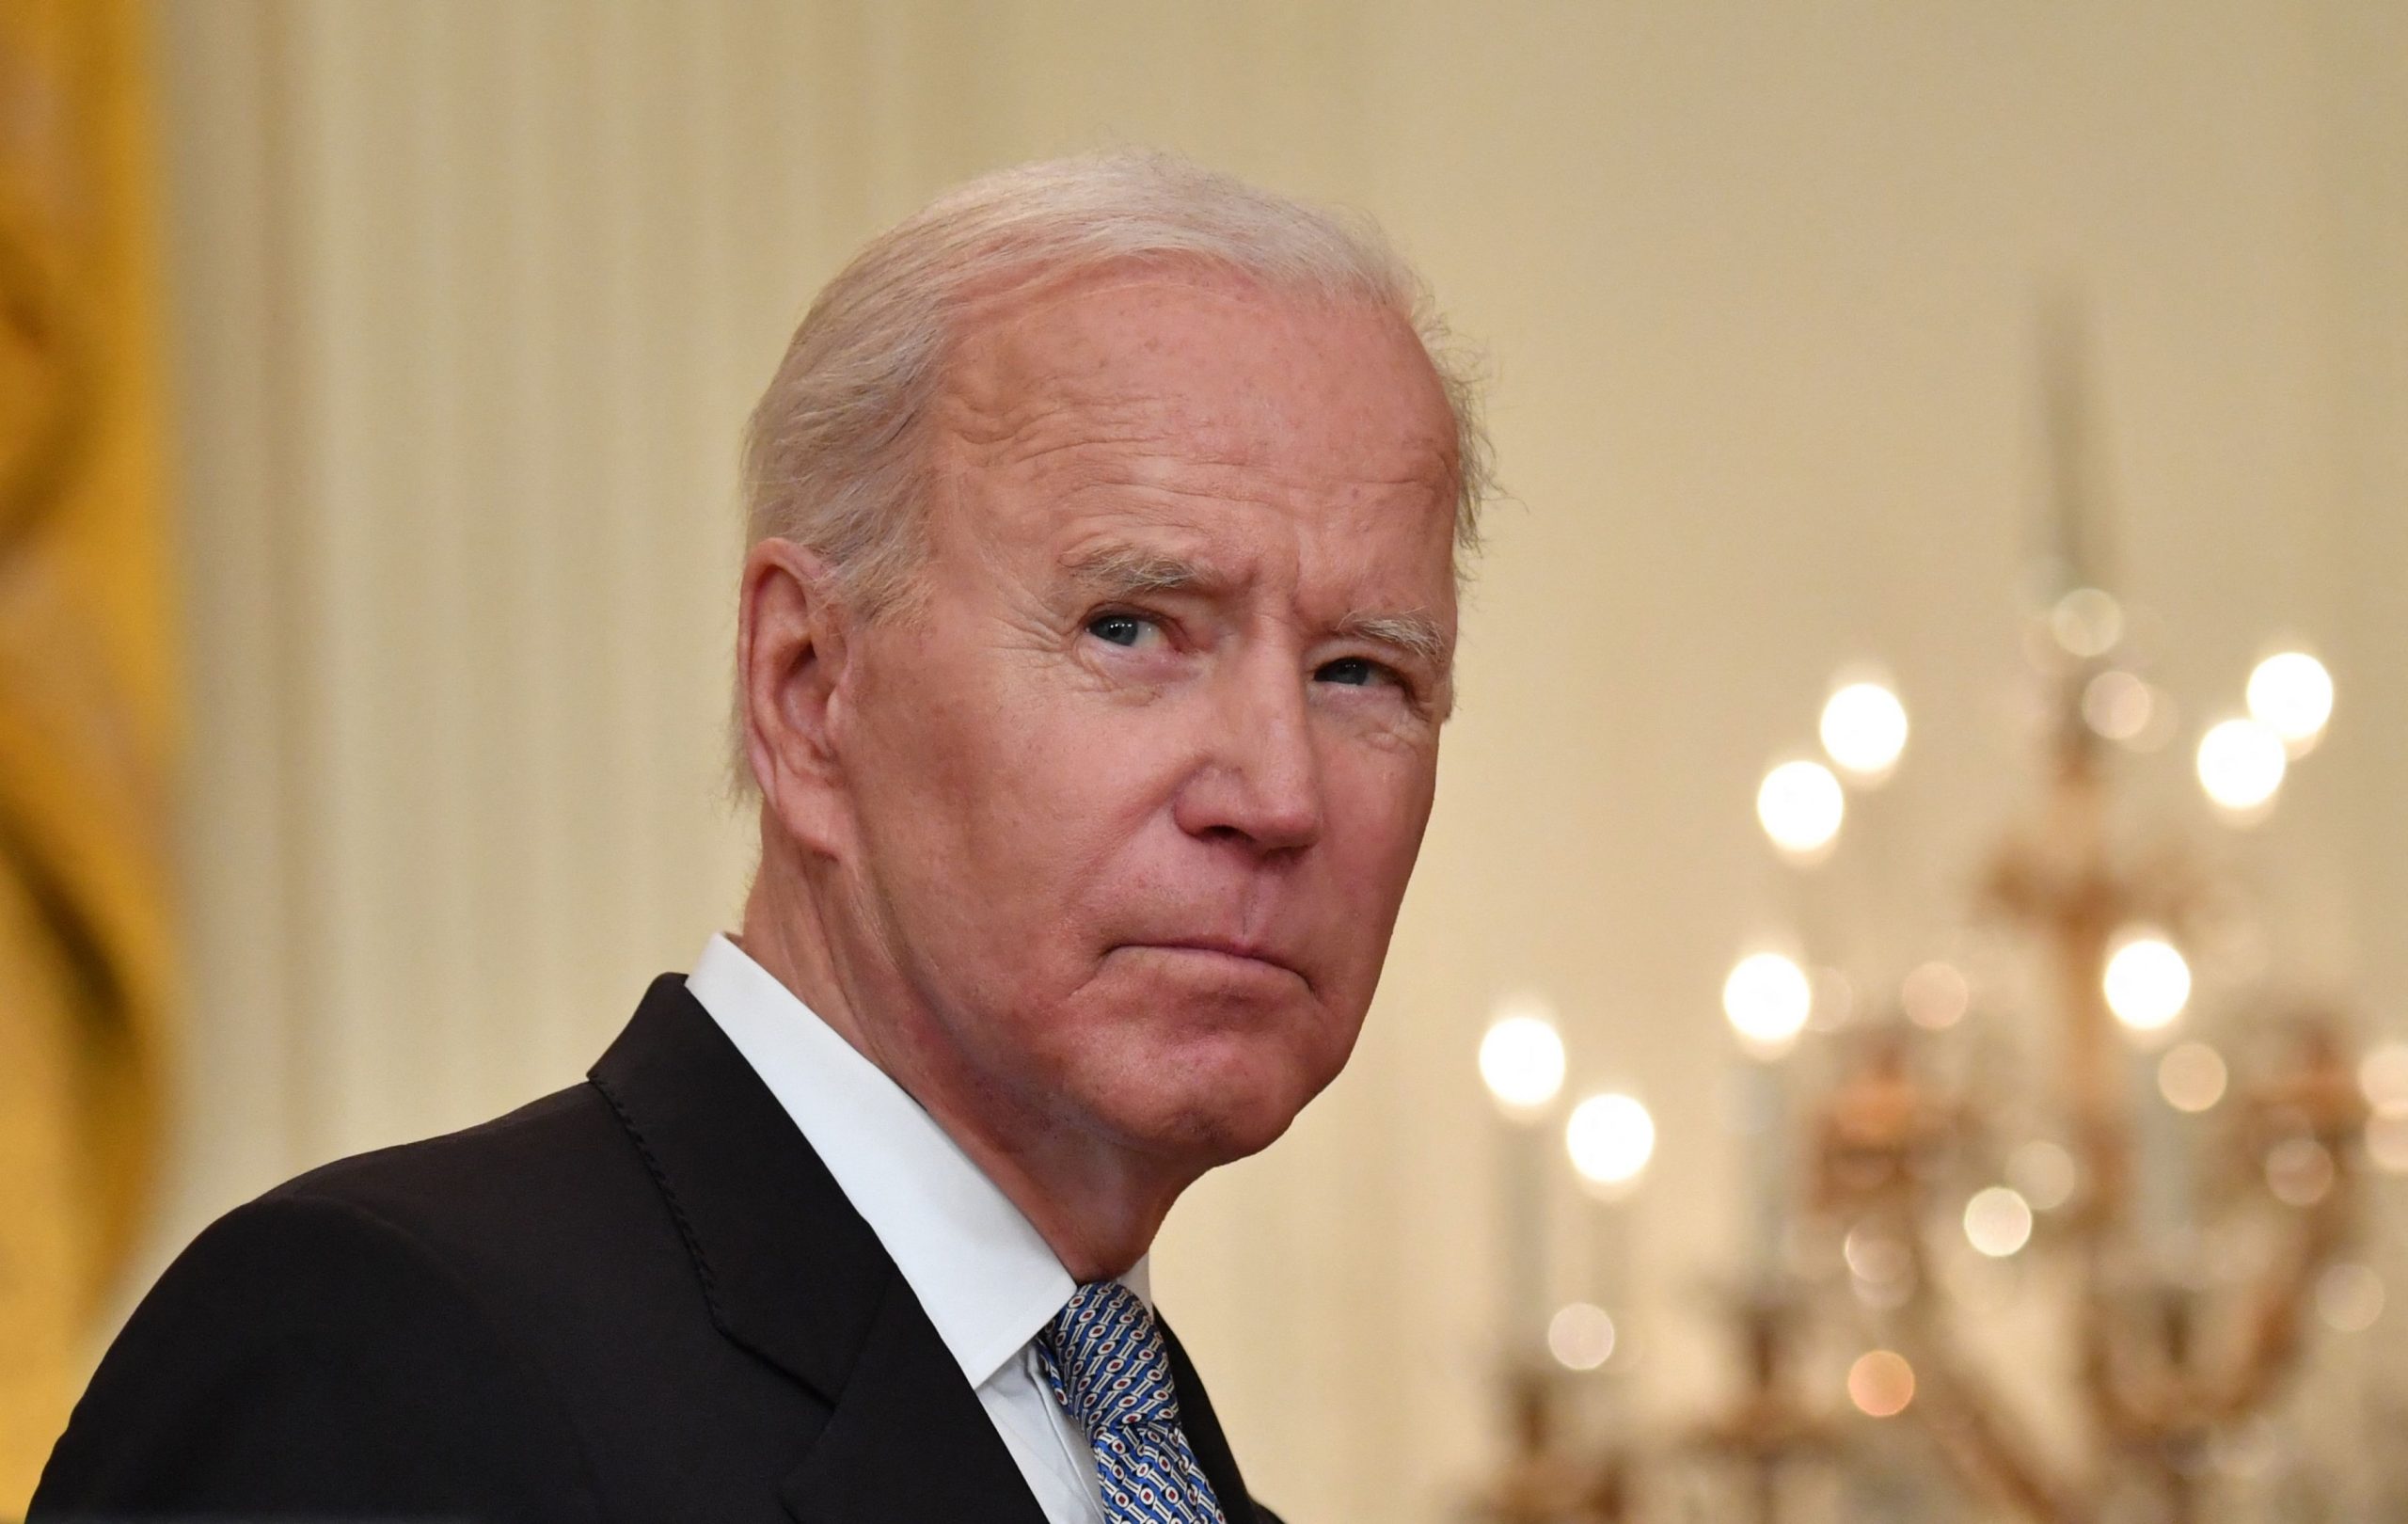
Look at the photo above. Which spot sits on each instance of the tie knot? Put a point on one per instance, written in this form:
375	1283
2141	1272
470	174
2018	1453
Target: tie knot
1105	1360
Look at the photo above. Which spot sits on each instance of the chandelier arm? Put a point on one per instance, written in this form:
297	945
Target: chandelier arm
2275	1319
1977	1436
2133	1395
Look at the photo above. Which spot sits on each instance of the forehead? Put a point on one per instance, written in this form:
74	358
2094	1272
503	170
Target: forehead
1199	384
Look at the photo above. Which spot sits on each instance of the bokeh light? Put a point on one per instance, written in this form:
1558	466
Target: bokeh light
2148	983
1998	1221
2382	1075
1521	1057
1864	729
2087	621
1881	1383
2299	1171
2292	694
1580	1336
1766	999
2387	1143
2349	1296
2241	763
2192	1076
1610	1138
1801	805
1877	1254
2117	705
1934	996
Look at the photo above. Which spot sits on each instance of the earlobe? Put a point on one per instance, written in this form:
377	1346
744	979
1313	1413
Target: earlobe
790	655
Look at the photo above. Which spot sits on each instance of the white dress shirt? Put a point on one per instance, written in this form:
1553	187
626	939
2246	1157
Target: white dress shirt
985	1276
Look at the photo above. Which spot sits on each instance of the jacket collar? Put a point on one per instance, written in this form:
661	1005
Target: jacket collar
983	1273
792	1273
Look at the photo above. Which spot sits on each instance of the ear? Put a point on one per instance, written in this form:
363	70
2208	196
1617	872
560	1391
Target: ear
790	652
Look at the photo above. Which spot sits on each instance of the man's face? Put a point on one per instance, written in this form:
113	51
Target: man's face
1137	789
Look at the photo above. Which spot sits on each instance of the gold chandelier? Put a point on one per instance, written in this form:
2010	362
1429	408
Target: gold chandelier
2193	1208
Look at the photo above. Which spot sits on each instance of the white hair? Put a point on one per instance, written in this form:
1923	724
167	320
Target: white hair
832	455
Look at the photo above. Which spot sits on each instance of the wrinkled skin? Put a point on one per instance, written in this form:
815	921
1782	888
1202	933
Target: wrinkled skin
1097	846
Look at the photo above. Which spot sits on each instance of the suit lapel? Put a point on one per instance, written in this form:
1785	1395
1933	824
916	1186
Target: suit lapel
908	1442
791	1273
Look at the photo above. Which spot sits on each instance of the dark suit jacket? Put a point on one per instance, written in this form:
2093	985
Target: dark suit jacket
642	1299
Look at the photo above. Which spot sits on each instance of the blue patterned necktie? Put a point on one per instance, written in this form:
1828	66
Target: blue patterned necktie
1109	1369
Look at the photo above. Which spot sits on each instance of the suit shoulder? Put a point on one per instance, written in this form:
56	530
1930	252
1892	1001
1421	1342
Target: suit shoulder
558	1173
548	1218
563	1136
415	1312
306	1353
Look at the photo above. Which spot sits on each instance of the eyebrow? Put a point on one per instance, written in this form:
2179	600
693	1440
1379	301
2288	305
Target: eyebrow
1415	632
1124	570
1128	571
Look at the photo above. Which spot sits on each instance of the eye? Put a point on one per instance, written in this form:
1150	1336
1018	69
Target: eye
1354	672
1119	629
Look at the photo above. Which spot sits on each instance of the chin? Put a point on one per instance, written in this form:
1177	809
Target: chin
1216	1113
1207	1142
1217	1065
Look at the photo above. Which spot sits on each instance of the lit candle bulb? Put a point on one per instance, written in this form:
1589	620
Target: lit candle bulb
1522	1063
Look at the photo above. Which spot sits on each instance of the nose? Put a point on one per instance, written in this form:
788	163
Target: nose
1260	781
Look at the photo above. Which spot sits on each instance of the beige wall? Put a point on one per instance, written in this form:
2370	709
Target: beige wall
473	299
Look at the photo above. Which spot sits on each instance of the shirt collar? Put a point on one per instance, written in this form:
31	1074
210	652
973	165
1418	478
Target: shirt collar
985	1276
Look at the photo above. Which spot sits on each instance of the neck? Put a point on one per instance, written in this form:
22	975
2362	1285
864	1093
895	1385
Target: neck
1096	1205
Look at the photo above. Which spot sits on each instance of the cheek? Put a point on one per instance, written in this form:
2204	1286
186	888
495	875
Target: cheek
997	808
945	746
1379	805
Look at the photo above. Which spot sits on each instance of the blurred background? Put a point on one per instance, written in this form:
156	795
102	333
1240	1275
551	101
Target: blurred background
372	381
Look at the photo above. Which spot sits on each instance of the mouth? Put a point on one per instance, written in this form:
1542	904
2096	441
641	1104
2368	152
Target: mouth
1234	954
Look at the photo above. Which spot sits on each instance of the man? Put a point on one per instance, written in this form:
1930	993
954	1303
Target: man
1092	652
